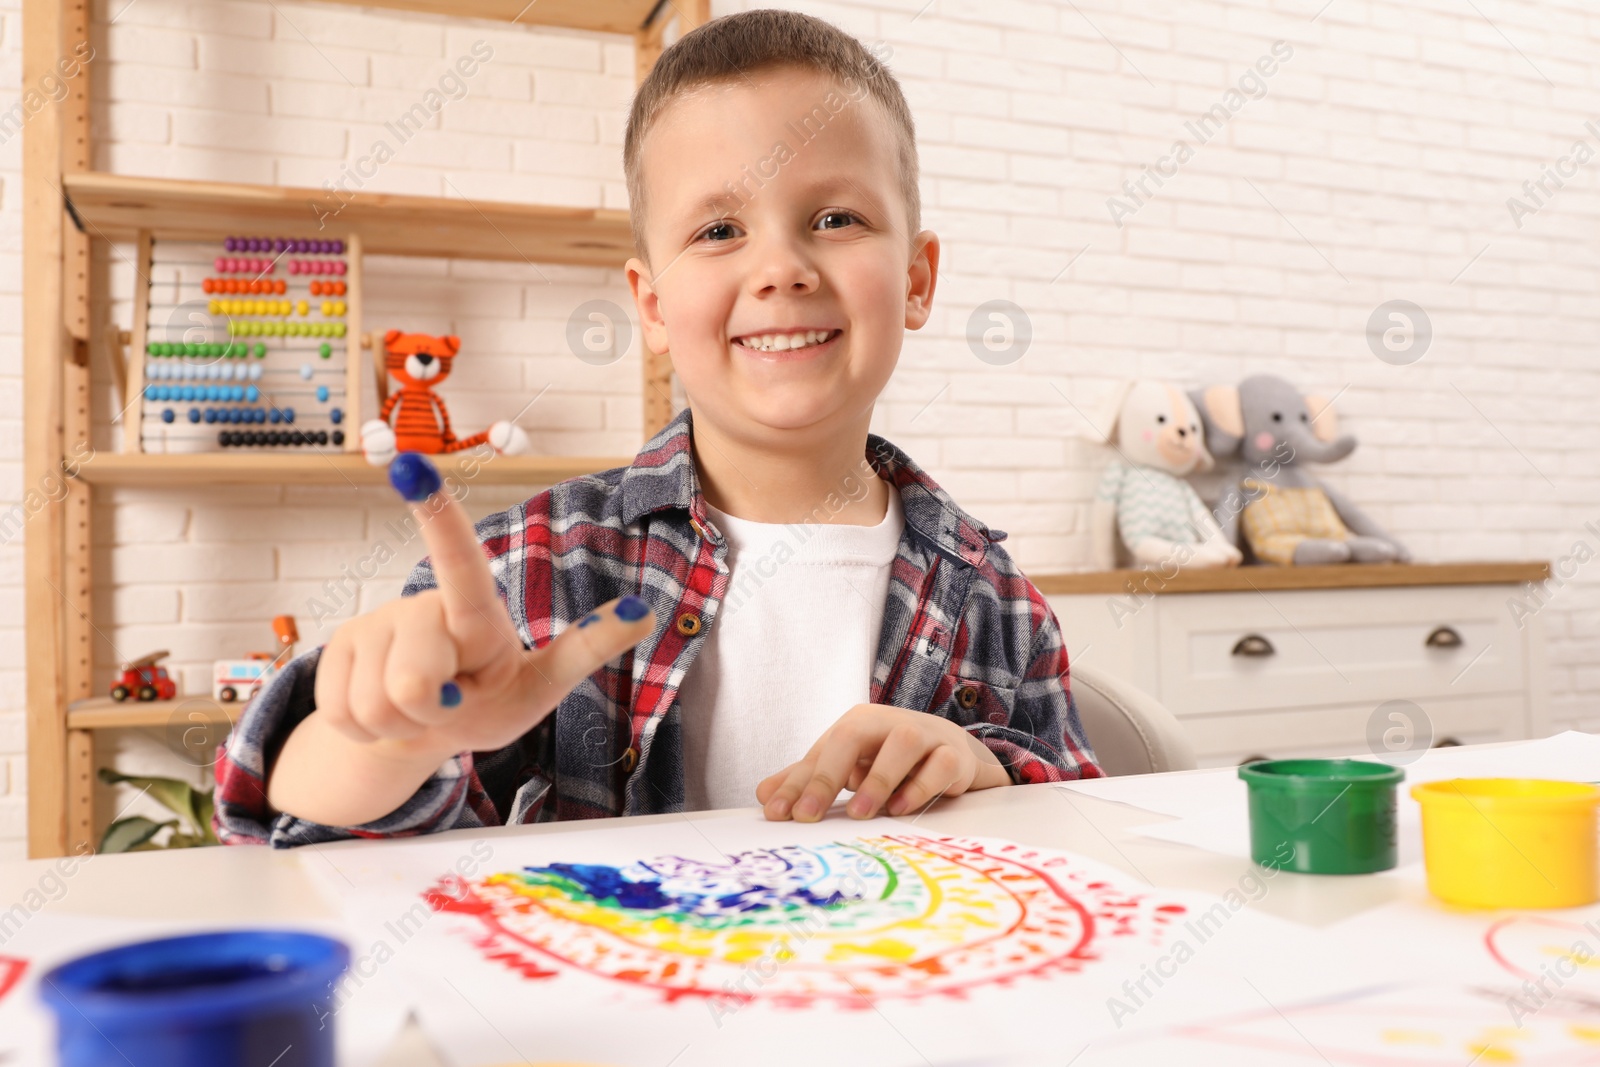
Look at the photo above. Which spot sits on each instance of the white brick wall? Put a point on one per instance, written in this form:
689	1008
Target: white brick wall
1390	141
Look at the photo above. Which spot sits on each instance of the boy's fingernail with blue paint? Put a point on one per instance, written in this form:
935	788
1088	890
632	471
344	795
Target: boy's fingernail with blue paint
589	619
414	476
631	608
449	694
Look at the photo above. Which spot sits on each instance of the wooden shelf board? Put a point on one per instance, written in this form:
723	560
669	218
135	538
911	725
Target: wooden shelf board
1272	578
335	468
598	16
119	206
103	713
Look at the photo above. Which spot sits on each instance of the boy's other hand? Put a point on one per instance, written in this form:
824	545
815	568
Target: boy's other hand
893	759
445	671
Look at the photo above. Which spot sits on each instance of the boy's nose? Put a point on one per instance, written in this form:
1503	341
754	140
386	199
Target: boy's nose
781	268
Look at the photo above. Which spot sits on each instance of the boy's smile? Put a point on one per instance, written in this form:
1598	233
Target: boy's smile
779	345
782	275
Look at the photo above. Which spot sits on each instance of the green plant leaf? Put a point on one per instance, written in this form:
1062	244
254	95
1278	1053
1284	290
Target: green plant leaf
133	834
176	795
207	805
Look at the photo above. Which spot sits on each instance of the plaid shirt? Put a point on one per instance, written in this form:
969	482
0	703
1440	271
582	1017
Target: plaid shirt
964	636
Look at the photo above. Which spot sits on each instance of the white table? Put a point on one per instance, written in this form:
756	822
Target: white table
252	885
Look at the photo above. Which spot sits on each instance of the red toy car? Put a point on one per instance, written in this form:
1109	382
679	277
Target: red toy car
142	679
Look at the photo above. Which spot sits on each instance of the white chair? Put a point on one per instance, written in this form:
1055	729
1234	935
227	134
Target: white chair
1131	732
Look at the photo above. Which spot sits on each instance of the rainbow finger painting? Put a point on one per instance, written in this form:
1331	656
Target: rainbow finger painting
729	940
11	971
848	923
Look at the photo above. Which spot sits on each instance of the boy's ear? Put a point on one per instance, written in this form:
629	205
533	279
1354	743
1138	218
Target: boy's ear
648	304
452	342
922	277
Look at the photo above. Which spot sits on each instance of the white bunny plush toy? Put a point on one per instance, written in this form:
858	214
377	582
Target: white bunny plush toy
1159	439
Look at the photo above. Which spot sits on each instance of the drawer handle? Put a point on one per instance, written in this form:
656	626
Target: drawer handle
1447	742
1254	645
1444	637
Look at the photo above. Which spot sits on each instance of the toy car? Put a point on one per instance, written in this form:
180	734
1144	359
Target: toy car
143	680
239	679
231	678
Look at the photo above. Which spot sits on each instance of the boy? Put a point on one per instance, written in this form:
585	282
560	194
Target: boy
896	652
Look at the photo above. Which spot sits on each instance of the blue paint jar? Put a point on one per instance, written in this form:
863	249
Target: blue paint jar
255	997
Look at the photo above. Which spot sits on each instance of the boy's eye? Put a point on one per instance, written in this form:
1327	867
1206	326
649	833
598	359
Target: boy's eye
845	215
724	228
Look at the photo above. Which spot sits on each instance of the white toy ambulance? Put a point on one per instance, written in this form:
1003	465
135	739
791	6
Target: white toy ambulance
239	679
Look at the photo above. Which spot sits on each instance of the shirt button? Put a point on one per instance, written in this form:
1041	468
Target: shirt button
688	624
967	697
630	760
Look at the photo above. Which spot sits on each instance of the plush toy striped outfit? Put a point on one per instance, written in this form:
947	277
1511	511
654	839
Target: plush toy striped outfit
1143	497
414	418
1151	503
420	420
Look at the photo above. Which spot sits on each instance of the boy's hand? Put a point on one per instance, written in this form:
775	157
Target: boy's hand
887	756
427	676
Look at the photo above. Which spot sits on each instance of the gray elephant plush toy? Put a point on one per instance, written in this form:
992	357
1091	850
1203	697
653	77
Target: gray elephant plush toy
1287	515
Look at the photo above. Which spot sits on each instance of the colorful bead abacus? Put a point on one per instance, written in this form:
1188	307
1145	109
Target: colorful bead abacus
253	345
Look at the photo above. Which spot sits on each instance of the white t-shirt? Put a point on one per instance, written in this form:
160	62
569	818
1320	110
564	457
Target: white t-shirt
790	650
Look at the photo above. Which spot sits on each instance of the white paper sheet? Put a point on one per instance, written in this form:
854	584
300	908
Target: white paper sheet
1224	826
1397	1025
736	948
1166	794
1422	984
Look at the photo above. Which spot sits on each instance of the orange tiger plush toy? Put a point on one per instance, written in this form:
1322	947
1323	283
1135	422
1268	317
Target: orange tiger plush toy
414	418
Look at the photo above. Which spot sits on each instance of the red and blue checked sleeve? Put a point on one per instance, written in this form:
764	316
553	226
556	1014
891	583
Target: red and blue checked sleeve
1043	741
450	799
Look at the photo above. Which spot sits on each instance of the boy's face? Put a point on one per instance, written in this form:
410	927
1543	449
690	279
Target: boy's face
783	301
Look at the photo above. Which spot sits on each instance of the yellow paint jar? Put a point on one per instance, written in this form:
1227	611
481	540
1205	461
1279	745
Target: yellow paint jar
1509	842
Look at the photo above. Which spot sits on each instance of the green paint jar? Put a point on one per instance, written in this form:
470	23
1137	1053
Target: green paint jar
1322	816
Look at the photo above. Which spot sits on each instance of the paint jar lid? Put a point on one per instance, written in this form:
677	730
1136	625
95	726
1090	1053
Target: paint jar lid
1319	774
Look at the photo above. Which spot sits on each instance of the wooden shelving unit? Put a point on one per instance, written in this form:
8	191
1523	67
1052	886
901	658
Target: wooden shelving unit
597	16
346	468
66	205
118	206
103	713
1275	579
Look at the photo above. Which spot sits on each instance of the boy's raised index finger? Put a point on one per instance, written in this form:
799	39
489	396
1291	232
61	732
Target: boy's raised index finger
471	599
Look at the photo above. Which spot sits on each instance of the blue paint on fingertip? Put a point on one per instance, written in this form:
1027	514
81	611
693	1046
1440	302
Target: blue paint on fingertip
414	476
589	619
449	694
631	608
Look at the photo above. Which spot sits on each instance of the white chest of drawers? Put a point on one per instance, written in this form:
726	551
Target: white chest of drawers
1315	661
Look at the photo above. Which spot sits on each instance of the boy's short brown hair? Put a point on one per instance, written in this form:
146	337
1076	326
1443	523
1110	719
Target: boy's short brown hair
729	48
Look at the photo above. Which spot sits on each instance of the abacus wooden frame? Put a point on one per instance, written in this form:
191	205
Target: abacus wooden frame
58	339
